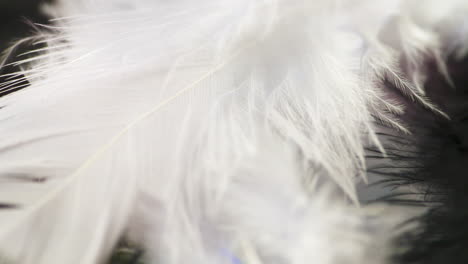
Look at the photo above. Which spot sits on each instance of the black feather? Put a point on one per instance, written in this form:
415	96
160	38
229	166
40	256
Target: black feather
433	161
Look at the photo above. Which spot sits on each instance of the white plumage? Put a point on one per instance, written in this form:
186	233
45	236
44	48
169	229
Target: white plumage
208	131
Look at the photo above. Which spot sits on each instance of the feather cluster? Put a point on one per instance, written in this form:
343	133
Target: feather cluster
227	131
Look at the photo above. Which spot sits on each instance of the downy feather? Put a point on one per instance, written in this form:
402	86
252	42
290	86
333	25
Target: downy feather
209	131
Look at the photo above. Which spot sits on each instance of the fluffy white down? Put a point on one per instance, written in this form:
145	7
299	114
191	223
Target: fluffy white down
213	131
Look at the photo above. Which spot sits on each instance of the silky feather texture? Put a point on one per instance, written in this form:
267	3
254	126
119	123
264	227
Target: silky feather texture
211	131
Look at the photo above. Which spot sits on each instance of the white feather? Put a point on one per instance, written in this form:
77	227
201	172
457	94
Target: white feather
210	130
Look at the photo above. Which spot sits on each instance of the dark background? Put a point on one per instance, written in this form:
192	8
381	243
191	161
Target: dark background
13	16
14	25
